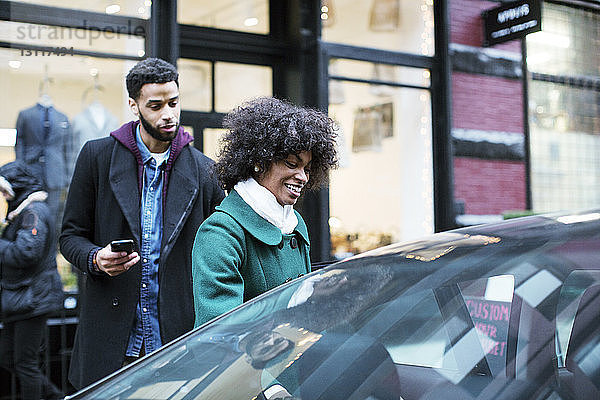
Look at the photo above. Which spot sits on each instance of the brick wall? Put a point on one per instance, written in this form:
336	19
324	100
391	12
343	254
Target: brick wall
466	24
485	102
489	186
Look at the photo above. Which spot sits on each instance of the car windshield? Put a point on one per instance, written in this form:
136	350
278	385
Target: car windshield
463	313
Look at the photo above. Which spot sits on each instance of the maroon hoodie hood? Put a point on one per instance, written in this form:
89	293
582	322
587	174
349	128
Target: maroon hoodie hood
126	136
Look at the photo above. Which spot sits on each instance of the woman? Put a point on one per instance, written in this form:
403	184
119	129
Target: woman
255	240
31	286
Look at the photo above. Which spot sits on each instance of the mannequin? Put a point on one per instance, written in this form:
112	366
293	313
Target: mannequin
43	142
94	122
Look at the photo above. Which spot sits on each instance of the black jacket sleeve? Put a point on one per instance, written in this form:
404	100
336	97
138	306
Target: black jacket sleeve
28	247
79	216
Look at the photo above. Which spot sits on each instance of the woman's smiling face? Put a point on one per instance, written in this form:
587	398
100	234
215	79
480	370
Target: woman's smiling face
286	178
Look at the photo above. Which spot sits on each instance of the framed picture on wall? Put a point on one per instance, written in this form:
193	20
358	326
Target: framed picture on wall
371	125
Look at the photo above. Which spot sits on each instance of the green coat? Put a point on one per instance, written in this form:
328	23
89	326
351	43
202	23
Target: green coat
238	255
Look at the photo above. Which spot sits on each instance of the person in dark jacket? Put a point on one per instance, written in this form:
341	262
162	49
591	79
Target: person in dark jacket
144	182
27	265
271	153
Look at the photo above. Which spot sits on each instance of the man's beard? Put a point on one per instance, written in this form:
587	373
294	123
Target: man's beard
156	133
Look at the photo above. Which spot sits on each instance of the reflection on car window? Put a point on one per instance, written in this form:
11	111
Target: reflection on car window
308	336
489	304
569	303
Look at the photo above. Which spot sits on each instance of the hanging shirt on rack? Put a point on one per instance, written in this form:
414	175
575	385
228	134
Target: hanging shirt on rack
94	122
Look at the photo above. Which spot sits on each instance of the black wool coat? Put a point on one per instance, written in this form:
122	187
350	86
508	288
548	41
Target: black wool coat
103	204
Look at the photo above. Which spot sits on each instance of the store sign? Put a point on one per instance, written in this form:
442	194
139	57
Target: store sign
511	21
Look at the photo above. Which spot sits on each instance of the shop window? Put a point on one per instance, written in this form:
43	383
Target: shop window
564	110
395	74
243	15
568	43
385	152
82	88
236	83
132	8
195	84
57	41
396	25
211	141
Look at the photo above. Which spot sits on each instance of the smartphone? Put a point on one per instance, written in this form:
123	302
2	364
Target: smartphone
122	245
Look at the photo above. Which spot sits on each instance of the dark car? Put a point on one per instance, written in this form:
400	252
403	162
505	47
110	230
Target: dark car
503	311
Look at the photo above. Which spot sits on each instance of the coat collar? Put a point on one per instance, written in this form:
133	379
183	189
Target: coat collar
181	190
126	136
256	225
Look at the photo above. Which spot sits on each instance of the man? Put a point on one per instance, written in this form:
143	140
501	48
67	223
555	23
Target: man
147	183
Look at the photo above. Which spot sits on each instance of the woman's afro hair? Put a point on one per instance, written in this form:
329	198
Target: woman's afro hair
265	130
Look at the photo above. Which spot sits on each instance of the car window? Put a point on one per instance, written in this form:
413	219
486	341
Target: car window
489	302
569	303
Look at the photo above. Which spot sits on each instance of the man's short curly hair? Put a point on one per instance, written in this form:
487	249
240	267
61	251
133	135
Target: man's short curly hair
265	130
150	70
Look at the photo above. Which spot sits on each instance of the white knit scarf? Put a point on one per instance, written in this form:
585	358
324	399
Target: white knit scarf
264	203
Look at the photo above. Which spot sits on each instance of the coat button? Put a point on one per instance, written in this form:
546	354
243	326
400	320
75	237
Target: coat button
115	301
294	242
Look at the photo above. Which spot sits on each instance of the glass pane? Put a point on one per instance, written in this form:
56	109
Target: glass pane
385	150
380	72
242	15
70	84
190	130
564	146
134	8
397	25
195	81
235	83
568	44
88	91
56	39
211	141
565	120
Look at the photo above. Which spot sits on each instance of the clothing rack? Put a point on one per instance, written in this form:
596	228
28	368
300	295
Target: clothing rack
95	89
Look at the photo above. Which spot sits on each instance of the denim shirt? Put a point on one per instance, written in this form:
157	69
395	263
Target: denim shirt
146	328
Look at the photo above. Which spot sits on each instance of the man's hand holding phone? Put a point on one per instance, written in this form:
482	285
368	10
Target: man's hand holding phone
117	257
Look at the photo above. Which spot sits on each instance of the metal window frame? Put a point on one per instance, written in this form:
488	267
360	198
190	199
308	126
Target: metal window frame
75	19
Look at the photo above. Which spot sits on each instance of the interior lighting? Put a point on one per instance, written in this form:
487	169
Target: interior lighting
113	9
141	10
252	21
147	3
324	16
8	137
335	223
14	64
550	39
141	53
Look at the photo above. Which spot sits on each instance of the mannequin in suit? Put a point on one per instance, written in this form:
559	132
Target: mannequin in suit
44	143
